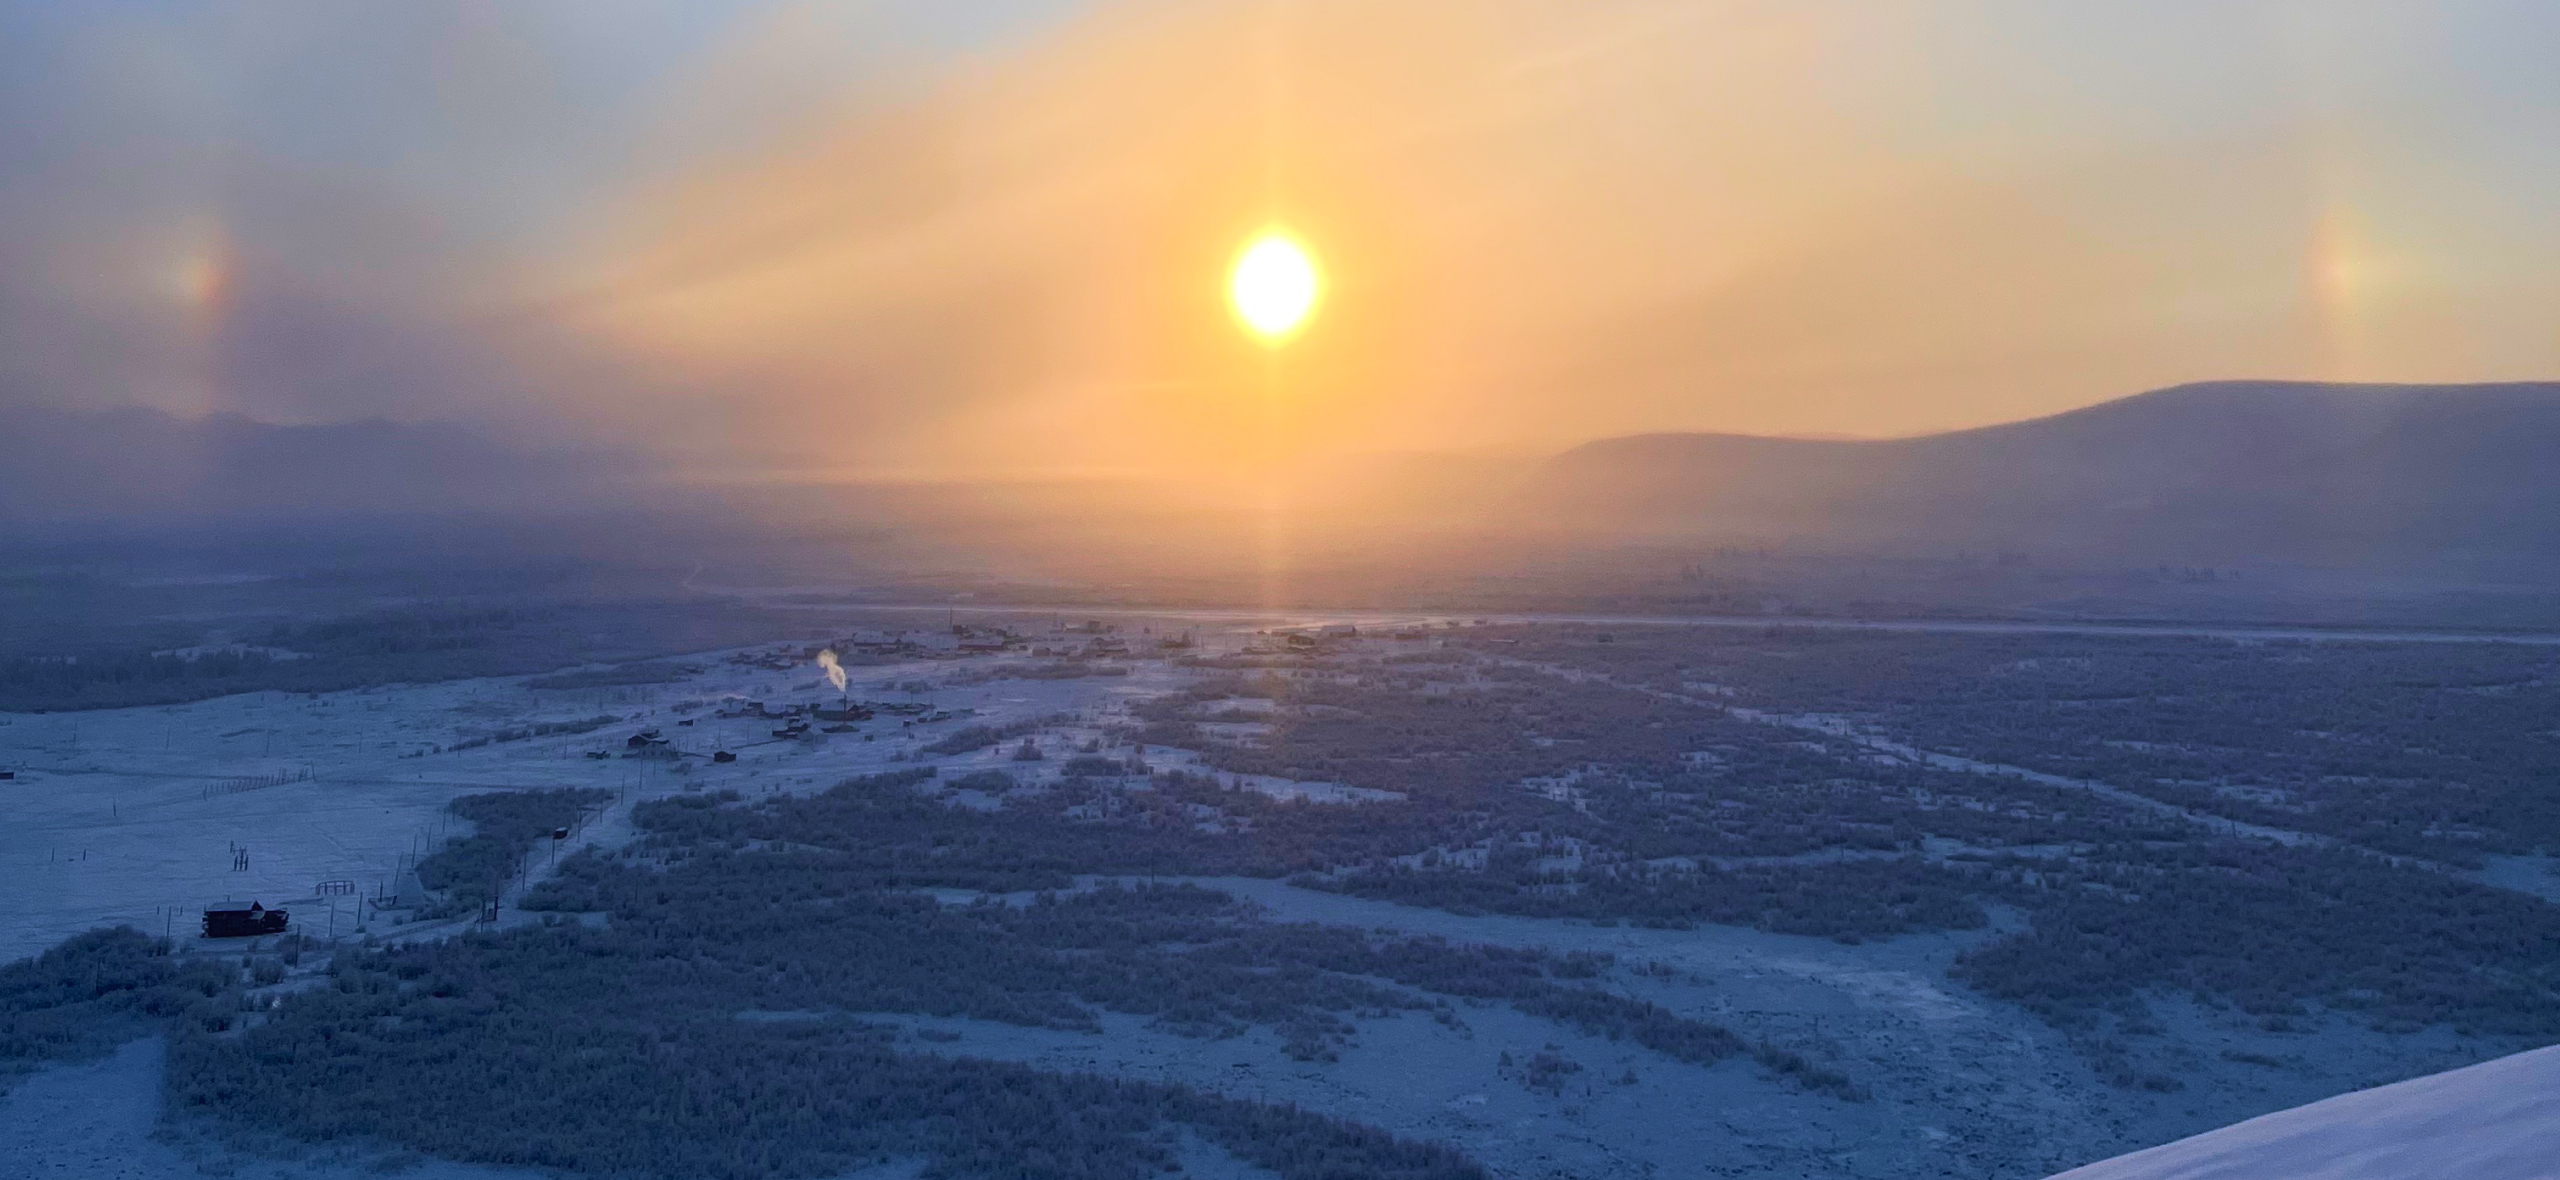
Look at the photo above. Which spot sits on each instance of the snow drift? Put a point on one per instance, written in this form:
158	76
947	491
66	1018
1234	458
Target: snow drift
2498	1120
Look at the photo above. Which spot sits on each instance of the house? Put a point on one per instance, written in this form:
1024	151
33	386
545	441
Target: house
873	643
232	920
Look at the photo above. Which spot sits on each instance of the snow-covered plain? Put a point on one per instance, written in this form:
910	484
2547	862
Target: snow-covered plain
2498	1120
138	816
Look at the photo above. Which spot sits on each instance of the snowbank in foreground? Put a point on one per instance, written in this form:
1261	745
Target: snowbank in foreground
2498	1120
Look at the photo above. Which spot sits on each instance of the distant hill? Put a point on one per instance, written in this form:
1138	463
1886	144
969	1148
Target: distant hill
2226	472
2498	1120
63	466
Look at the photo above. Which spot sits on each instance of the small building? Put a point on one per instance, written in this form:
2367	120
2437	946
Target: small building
232	920
879	643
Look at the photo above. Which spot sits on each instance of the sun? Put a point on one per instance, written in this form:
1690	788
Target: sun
1273	286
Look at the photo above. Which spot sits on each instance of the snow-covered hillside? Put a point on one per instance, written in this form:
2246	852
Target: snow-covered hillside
2498	1120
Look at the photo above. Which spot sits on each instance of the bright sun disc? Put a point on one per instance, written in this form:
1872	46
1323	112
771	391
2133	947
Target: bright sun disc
1273	286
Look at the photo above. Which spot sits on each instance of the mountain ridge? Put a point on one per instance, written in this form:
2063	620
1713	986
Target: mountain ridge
65	465
2212	471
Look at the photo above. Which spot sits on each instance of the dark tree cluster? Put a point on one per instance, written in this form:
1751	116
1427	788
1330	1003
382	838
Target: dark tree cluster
877	834
95	990
1537	794
628	1047
970	738
2441	750
2396	748
520	733
471	1068
1848	900
2270	929
619	675
470	870
414	645
1193	960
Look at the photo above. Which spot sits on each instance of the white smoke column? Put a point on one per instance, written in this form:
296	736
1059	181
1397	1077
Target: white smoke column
835	671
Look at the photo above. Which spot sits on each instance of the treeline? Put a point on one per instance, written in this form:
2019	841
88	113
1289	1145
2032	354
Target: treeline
2270	929
896	837
1647	778
619	1049
495	1050
123	679
1106	947
2437	750
1847	900
535	730
2432	749
1192	960
416	645
1642	799
1379	732
95	990
619	675
972	738
470	870
603	1090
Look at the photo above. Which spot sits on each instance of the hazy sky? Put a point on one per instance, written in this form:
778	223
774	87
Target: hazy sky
941	238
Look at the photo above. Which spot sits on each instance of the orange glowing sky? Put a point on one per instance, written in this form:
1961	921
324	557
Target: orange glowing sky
803	240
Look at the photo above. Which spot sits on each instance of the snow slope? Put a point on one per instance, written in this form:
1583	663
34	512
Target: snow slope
2498	1120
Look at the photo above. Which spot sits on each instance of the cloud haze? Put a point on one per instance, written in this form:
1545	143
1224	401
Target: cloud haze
887	240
